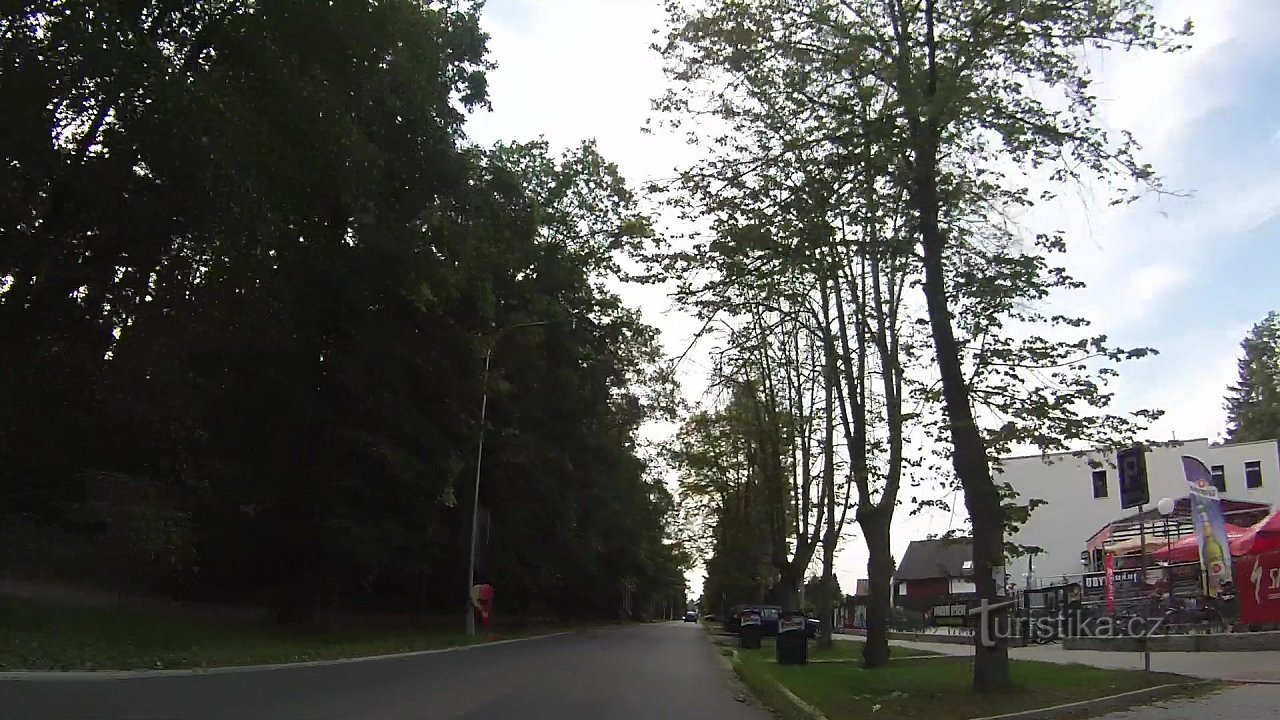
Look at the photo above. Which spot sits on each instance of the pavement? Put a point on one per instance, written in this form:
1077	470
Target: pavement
1251	667
662	671
1252	702
1247	702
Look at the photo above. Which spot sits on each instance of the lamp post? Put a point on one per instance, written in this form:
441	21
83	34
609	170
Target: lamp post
475	501
1166	507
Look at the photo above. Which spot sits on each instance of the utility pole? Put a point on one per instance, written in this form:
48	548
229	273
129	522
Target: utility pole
475	500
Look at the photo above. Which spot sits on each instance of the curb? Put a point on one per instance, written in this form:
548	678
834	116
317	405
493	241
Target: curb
851	661
803	706
54	675
1102	704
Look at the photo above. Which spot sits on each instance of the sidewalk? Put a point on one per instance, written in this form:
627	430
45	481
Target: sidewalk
1255	702
1262	666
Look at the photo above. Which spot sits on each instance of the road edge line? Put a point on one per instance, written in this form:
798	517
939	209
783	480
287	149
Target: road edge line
54	675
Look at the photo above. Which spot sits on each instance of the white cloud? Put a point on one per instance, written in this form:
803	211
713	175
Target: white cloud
1148	93
579	69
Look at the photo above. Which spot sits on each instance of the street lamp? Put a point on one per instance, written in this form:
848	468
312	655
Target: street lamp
1166	506
475	503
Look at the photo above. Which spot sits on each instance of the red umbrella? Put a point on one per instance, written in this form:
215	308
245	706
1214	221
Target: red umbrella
1263	537
1187	549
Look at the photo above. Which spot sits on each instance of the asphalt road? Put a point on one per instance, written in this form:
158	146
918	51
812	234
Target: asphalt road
646	672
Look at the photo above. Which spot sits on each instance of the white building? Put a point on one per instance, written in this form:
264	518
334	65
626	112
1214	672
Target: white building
1081	499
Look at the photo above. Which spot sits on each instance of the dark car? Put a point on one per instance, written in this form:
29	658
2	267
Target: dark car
691	616
769	615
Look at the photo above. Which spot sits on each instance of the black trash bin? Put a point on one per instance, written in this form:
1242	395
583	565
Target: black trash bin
749	630
793	641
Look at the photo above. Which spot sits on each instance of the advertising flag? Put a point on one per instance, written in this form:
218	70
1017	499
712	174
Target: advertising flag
1211	530
1110	583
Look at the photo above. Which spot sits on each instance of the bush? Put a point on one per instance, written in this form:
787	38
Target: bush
904	620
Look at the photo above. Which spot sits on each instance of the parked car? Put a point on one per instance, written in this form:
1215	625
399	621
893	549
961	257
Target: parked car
691	616
769	615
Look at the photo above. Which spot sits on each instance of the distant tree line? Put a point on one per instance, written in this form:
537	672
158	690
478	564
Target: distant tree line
249	269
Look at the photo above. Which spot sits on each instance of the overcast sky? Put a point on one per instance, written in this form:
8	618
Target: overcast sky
1187	276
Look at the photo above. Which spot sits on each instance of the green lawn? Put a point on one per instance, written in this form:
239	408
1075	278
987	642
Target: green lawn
42	637
929	688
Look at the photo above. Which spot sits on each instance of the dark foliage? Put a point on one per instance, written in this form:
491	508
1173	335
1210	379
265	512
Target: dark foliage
248	267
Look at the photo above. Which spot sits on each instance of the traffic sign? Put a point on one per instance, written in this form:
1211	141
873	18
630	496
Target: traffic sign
1134	490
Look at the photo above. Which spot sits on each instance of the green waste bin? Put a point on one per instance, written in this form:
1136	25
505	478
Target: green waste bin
793	643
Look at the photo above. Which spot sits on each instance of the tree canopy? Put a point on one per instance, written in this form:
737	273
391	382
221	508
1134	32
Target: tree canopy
249	269
1253	404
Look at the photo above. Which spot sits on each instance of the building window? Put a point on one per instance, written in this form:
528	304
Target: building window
1219	474
1253	474
1099	483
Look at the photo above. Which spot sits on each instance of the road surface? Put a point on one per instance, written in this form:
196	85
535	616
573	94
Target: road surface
642	672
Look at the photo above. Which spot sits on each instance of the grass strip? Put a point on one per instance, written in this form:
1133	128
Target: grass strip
39	636
928	689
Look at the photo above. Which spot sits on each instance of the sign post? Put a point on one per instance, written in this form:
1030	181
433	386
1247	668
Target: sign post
1135	491
1142	580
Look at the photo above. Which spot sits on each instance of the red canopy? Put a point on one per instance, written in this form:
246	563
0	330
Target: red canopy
1187	549
1263	537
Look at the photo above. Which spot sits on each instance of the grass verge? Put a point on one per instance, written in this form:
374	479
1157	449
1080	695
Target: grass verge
39	636
932	689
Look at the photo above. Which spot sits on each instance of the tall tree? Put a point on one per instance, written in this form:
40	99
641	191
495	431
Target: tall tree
1253	405
950	68
961	117
795	192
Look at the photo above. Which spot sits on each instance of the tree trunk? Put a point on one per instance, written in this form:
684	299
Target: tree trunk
969	454
832	534
875	528
826	597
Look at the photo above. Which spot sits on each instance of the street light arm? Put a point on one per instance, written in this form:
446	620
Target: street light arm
531	323
475	499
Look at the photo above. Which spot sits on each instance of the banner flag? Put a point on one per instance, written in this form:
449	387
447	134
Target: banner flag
1211	529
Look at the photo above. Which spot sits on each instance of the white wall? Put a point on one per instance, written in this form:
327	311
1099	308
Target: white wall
1072	515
